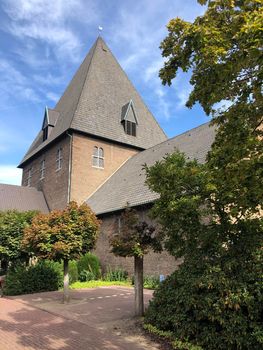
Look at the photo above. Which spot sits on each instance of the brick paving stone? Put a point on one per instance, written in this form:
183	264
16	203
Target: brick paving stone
40	321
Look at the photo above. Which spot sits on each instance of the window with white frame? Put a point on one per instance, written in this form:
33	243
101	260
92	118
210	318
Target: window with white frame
42	169
98	157
29	177
59	159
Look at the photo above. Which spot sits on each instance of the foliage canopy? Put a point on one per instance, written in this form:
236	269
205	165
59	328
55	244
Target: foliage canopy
211	213
62	235
12	224
134	237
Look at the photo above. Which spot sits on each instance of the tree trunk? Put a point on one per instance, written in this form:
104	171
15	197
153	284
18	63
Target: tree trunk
66	283
138	285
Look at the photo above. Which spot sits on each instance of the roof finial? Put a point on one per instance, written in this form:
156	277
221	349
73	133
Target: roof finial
100	29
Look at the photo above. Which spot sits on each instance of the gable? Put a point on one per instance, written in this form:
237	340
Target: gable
128	113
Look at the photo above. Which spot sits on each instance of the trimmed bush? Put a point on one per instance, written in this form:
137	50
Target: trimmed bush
206	306
42	277
89	262
115	275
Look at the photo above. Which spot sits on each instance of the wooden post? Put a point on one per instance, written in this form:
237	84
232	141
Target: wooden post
138	285
66	283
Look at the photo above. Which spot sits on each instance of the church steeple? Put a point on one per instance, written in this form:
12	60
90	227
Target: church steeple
93	104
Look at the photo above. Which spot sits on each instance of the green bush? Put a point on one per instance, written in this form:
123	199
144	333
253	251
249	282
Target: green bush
207	307
151	282
73	271
42	277
85	276
116	275
89	262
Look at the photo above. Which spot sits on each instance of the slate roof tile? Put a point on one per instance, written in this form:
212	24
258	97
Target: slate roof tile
127	185
21	198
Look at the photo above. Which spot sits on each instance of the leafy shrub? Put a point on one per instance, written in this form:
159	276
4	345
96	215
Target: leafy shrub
42	277
115	275
89	262
85	276
168	336
73	271
151	282
205	306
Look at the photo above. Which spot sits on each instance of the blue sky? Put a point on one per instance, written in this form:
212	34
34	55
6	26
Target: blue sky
43	42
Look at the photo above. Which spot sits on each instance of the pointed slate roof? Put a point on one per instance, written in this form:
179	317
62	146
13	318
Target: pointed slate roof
127	185
93	103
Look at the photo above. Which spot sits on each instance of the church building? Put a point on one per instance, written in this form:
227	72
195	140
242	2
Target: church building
91	148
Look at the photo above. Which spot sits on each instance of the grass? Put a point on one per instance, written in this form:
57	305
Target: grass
99	283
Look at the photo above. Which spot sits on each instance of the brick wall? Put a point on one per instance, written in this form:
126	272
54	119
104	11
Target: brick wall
154	264
55	183
85	178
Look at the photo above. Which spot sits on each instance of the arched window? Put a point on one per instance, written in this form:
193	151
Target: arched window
98	157
42	169
59	159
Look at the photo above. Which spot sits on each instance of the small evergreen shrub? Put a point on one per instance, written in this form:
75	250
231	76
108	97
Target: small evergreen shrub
42	277
85	276
116	275
89	262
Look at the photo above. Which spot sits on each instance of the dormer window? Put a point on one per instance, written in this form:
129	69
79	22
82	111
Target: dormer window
129	119
98	157
45	133
50	118
130	128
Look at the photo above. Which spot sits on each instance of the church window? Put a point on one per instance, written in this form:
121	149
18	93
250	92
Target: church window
42	169
29	177
59	159
98	157
45	133
129	119
130	127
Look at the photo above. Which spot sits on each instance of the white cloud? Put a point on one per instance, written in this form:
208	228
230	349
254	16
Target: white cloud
14	84
9	174
50	22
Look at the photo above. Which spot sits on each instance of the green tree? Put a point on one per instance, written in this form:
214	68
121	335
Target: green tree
212	214
12	224
134	238
62	235
215	298
223	50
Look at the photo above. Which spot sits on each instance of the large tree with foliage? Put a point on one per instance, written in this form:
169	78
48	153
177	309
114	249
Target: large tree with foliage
12	224
218	299
62	235
133	238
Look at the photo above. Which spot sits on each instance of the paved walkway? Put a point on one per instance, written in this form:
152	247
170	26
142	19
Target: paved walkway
91	321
